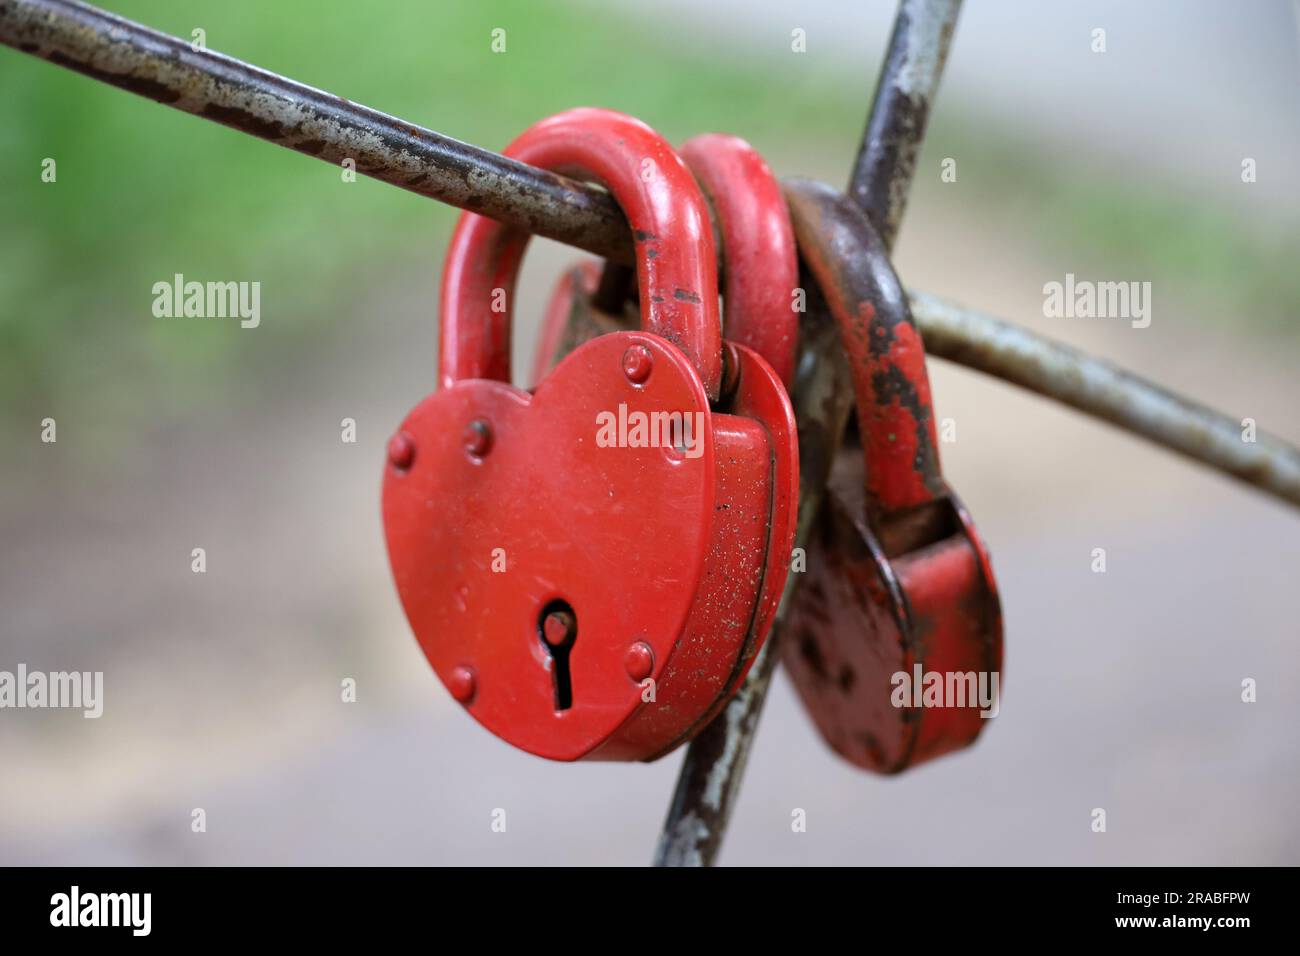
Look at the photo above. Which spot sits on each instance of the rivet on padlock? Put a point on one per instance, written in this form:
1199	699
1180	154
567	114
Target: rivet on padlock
898	584
585	601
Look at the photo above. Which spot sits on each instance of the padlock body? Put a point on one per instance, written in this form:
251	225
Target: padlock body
575	504
863	617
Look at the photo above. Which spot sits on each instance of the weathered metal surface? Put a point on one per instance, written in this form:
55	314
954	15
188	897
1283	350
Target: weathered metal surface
898	581
1100	389
909	79
166	69
851	265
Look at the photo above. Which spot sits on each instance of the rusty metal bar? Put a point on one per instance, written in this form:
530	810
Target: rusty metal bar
909	79
1102	390
166	69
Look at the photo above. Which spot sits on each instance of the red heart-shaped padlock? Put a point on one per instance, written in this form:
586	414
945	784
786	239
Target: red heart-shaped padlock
590	568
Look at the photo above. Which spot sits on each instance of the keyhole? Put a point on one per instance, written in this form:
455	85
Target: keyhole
558	628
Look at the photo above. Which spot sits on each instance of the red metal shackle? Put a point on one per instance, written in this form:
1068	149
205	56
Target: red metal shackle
675	259
758	255
886	357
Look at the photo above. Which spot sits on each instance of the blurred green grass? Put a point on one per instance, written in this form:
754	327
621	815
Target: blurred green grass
144	192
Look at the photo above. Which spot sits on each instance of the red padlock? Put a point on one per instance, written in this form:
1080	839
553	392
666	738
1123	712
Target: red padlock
586	578
896	632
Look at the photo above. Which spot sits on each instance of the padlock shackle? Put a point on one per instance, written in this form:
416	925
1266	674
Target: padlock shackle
675	258
758	259
850	263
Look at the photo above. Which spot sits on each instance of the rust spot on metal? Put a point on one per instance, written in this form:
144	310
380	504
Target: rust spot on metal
151	89
846	679
812	654
891	385
244	120
891	143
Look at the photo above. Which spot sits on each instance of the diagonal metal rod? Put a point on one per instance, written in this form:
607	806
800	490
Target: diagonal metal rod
1097	388
909	79
168	70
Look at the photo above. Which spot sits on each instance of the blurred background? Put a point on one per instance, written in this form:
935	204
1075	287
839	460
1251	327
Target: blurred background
222	690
